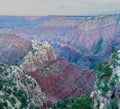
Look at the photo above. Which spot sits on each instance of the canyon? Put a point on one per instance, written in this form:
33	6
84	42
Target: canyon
57	78
46	77
59	53
83	40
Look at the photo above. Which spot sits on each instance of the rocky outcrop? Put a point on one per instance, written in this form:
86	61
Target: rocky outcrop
41	56
107	89
22	90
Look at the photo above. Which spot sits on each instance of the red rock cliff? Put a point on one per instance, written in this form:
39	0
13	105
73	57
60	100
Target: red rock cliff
58	78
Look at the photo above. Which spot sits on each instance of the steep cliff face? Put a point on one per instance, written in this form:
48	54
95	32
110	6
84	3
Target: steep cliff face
58	78
12	48
62	80
94	40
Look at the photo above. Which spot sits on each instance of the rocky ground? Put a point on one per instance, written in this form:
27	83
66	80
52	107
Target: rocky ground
107	88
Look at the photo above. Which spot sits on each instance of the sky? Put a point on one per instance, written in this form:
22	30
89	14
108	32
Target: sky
58	7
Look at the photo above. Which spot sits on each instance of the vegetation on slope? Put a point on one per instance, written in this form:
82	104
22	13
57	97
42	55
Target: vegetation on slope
13	93
82	102
105	95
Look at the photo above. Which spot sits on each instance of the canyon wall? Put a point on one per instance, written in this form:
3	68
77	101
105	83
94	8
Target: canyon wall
13	48
83	40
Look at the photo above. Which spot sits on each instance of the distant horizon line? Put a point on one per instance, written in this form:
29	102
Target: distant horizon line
89	15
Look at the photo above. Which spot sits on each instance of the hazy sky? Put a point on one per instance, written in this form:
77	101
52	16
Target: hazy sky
58	7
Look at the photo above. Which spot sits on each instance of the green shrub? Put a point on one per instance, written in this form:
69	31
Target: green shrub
24	100
37	107
106	70
105	88
103	70
8	90
99	67
13	101
114	80
2	105
114	58
5	104
1	86
83	102
113	104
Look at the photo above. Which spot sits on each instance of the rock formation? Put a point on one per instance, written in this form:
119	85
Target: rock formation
41	56
57	78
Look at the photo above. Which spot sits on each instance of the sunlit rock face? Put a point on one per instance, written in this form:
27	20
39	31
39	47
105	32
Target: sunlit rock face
13	48
41	56
57	78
